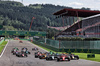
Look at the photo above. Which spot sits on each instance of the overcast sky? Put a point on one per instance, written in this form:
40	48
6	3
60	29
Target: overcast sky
93	4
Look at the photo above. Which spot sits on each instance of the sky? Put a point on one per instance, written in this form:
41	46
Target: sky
92	4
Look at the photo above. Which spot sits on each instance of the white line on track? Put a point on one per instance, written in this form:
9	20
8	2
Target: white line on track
4	49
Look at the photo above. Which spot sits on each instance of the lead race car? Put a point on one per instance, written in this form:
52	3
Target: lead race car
63	57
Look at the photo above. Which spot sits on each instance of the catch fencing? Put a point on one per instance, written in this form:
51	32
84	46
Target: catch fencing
71	46
80	44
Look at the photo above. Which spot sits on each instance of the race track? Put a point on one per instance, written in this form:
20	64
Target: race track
8	59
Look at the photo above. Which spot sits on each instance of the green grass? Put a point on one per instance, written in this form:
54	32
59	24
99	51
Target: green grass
84	56
81	55
2	45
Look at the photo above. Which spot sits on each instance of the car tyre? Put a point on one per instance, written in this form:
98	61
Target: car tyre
58	59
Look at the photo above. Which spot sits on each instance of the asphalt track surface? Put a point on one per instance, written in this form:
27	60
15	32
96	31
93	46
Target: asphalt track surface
8	59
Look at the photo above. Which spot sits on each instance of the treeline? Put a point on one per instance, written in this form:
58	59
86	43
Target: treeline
18	16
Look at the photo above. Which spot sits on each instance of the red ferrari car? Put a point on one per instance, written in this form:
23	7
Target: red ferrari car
63	57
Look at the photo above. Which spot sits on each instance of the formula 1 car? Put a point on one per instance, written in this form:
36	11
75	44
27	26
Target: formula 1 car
25	50
34	49
20	41
21	54
37	54
63	57
52	56
14	50
73	57
43	55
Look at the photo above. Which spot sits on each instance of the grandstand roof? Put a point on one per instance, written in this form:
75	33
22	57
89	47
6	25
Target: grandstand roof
74	12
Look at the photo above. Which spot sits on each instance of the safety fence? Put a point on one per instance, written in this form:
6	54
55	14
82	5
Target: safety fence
80	44
70	46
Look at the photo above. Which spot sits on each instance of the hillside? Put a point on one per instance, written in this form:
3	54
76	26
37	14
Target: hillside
16	16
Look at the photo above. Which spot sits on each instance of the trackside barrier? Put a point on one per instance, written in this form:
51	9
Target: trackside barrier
47	46
68	50
70	46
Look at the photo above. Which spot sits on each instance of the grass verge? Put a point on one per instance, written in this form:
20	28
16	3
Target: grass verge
84	56
81	55
2	45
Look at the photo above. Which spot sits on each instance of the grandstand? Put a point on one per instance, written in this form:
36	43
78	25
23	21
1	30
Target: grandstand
88	26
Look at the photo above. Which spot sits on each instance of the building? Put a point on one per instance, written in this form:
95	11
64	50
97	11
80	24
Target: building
88	26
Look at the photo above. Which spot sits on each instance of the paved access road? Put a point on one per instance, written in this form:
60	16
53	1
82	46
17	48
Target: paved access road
11	60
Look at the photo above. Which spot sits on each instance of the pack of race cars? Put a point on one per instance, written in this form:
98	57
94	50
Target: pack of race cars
55	56
44	55
23	53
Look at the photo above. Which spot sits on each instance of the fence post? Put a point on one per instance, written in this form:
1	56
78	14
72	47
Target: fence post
59	44
45	39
